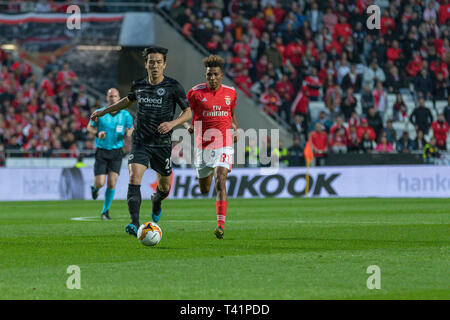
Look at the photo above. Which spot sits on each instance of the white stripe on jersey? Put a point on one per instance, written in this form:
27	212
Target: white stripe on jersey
232	88
199	86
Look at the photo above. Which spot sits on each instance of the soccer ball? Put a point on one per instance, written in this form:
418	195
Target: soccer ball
149	234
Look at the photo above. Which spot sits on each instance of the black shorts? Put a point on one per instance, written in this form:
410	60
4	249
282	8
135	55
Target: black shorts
158	158
107	160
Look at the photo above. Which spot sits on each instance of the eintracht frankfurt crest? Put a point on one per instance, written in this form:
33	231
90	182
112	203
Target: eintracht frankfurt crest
160	91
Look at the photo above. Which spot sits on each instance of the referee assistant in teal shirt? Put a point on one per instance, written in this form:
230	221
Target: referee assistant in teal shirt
110	130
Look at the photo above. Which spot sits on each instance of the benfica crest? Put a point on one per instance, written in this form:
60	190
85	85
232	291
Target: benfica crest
227	100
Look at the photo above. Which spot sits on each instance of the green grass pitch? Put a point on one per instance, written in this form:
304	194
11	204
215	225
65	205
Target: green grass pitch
273	249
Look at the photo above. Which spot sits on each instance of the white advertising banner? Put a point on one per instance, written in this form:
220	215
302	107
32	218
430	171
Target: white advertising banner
359	181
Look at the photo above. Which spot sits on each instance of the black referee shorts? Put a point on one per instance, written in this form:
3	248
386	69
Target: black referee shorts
107	160
158	158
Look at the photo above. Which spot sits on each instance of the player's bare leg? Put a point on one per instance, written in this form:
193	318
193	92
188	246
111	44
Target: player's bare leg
99	181
205	184
134	199
162	191
220	177
109	194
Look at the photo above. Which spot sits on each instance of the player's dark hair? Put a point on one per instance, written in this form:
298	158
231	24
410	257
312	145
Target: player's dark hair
213	61
155	49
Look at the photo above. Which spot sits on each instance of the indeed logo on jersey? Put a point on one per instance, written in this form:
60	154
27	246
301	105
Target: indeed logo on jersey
216	112
150	100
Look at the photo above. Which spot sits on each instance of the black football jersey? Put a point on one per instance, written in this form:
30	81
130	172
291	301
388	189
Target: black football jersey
155	104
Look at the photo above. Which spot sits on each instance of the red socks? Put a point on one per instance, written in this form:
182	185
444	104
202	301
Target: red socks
221	210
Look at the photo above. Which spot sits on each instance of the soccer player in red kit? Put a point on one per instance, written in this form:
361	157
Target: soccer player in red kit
213	107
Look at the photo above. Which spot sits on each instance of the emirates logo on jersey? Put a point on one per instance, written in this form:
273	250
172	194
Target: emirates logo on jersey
216	112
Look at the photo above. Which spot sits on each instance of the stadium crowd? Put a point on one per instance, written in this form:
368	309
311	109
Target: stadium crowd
284	55
41	117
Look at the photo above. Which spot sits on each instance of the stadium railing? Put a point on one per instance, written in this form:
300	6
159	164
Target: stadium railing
111	6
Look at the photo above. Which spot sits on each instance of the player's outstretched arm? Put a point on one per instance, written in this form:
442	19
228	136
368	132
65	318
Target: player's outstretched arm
119	105
185	116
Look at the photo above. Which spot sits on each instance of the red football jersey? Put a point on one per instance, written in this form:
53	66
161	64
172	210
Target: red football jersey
212	109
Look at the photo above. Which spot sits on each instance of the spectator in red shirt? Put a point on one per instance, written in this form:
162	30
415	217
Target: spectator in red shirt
242	45
313	85
65	78
311	49
243	59
281	48
334	49
22	68
440	130
300	104
47	85
444	12
354	120
228	39
342	29
393	52
285	88
261	66
414	66
258	22
386	22
338	142
188	27
294	52
51	105
364	127
244	82
352	140
33	105
279	13
379	97
270	101
319	144
339	126
213	44
439	66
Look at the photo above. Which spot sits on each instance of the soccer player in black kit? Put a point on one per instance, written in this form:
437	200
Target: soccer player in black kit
157	96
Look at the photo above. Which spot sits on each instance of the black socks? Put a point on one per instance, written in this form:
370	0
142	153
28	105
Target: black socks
157	198
134	202
160	196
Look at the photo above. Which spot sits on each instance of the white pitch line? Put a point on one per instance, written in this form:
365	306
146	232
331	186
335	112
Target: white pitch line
126	217
372	222
96	218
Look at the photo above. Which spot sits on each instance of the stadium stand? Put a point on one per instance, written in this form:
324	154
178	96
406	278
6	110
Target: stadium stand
323	47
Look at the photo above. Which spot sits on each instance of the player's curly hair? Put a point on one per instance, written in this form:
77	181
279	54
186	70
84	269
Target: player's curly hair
213	61
155	49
